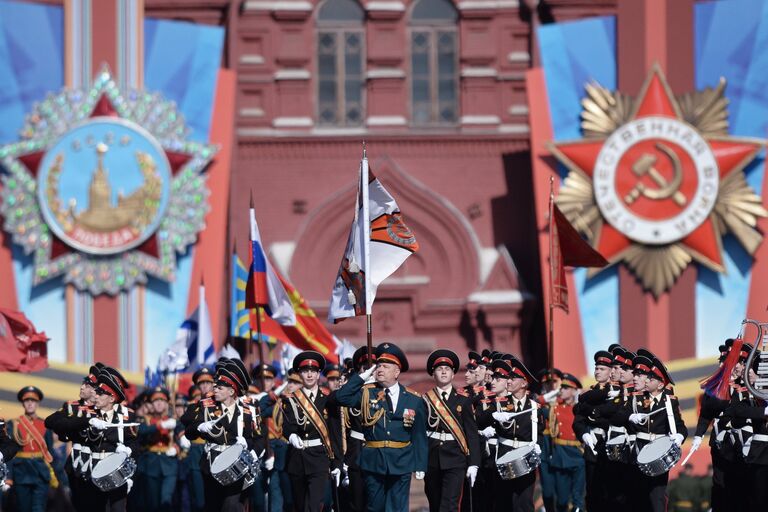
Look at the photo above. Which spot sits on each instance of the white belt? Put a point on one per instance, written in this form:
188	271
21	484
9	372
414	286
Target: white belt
216	447
650	437
763	438
597	431
101	455
309	443
514	443
441	436
354	434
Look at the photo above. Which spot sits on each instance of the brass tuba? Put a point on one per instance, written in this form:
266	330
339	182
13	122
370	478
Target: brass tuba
760	387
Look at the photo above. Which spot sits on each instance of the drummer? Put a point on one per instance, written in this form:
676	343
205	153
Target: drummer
454	446
658	416
103	439
223	421
159	453
510	382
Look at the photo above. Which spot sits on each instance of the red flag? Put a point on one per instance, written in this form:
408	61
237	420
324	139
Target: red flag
567	247
22	348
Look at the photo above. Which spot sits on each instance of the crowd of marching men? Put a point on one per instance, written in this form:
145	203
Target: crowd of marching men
238	442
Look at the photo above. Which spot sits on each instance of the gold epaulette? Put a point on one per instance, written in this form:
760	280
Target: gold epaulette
413	392
369	386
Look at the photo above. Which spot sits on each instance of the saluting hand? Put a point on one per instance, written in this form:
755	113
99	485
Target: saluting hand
366	374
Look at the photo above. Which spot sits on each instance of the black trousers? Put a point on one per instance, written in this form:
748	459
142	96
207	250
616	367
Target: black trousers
477	498
596	482
514	495
353	499
220	498
309	491
650	492
444	487
758	487
96	500
619	481
718	501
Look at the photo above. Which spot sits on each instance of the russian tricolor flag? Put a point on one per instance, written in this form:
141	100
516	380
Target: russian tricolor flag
264	288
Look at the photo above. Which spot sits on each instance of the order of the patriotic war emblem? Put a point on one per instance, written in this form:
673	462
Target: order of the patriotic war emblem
104	189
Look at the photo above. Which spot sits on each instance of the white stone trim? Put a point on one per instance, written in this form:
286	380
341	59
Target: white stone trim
406	281
292	122
251	59
477	72
280	5
385	6
518	128
497	297
480	120
292	74
520	109
385	73
488	257
468	5
386	121
512	76
520	56
251	112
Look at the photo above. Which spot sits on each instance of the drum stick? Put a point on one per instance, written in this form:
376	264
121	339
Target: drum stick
116	425
688	456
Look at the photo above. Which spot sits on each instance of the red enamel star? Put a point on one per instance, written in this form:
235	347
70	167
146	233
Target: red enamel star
653	175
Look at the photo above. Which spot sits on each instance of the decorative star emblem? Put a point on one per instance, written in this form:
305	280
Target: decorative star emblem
657	181
73	219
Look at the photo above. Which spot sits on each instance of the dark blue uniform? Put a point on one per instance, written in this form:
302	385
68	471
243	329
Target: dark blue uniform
395	441
31	470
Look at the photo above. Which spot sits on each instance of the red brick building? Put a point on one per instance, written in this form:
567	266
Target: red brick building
437	90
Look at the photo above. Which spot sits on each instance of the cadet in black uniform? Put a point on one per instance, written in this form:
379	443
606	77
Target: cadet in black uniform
224	421
65	423
312	424
202	381
454	445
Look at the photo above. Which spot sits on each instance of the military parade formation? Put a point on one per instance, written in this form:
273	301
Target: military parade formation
352	438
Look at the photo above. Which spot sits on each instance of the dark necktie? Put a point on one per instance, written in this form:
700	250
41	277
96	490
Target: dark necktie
312	397
445	396
519	407
389	402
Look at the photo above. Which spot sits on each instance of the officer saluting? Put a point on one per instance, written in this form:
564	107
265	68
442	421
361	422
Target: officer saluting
454	444
394	426
313	428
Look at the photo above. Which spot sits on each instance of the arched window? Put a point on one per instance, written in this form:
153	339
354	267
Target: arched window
434	63
340	58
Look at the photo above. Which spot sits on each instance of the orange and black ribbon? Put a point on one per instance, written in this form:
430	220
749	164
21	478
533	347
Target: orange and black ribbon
448	419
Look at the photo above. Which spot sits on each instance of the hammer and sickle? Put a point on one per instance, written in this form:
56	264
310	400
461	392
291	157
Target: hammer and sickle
644	165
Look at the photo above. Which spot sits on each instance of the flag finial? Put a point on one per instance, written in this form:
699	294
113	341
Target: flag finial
251	198
365	152
234	245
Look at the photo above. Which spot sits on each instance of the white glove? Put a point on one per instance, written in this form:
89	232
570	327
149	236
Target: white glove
638	418
695	443
206	427
168	424
171	452
336	474
550	395
121	448
472	475
4	485
1	457
419	475
98	424
296	442
766	411
130	485
366	374
613	393
241	441
589	440
184	443
269	464
488	432
537	449
678	439
502	416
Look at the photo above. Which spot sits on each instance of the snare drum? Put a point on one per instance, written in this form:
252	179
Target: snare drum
113	471
235	463
518	462
658	456
617	449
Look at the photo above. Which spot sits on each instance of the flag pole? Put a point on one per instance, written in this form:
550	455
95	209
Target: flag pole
366	250
551	351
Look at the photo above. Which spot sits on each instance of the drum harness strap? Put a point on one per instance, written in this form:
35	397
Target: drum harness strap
514	443
85	466
209	447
